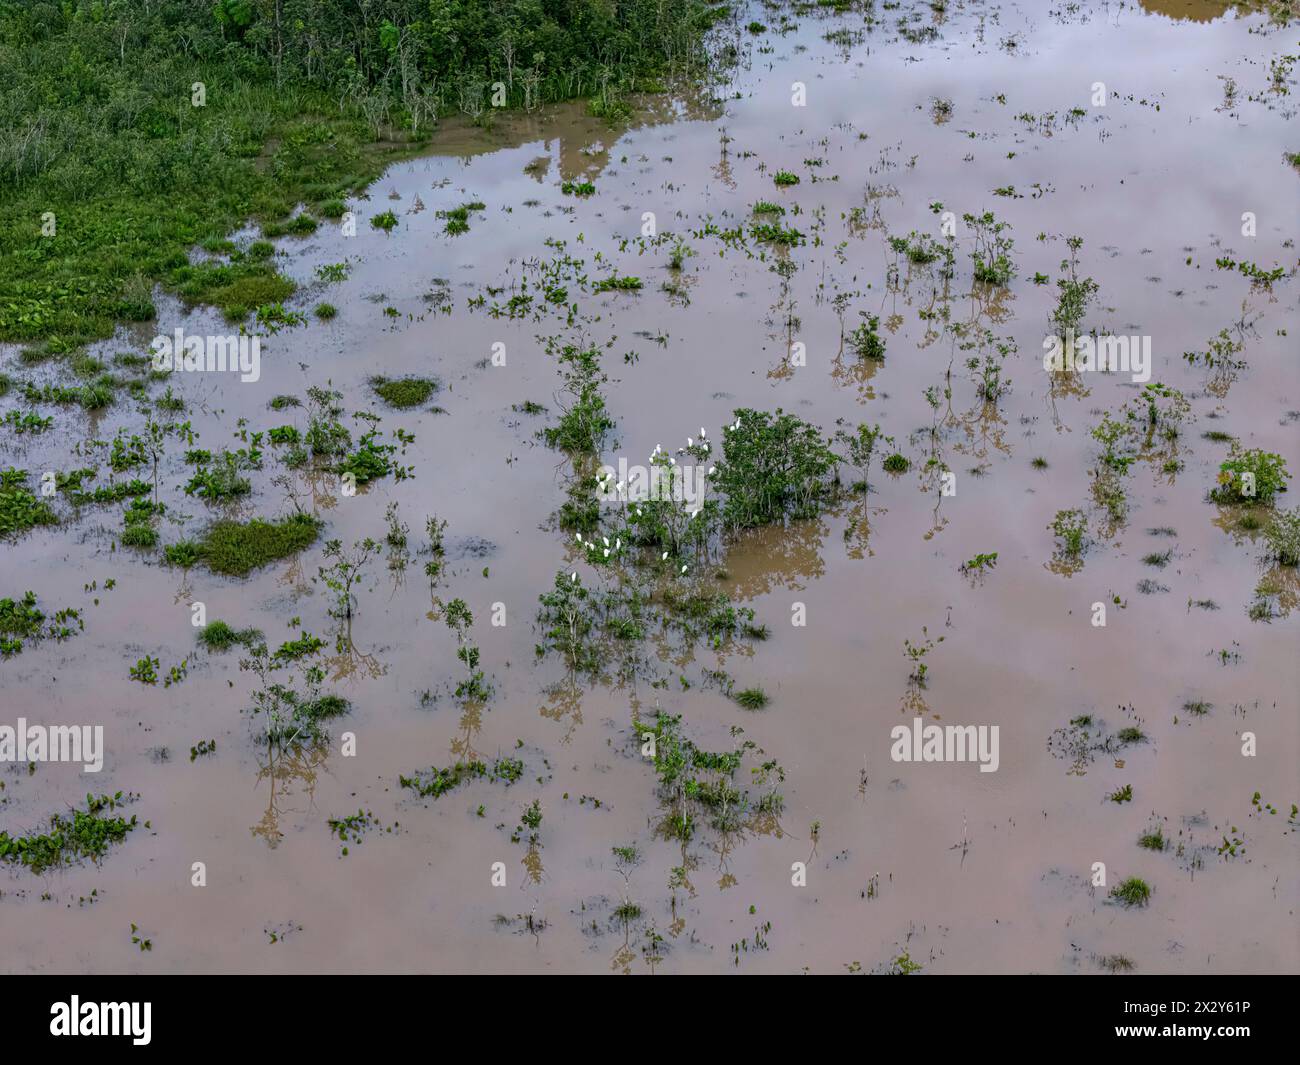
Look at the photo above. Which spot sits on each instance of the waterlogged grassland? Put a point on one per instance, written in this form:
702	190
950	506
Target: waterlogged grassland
394	603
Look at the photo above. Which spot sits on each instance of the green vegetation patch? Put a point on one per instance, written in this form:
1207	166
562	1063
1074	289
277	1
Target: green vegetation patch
20	510
435	782
21	619
404	392
87	833
221	636
237	548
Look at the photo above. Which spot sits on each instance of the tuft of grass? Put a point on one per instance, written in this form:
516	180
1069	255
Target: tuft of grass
183	553
219	636
1197	707
326	311
1153	840
403	392
752	698
237	548
1133	891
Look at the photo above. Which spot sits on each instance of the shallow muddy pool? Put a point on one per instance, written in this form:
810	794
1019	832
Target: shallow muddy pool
895	127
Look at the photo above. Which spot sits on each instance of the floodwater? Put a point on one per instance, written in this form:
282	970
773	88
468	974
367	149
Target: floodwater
960	870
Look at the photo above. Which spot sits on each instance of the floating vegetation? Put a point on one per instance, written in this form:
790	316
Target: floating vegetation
22	620
434	783
86	833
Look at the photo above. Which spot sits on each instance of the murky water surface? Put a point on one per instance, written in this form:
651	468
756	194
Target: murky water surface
962	870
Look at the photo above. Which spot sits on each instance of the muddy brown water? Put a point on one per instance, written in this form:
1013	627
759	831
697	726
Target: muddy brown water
974	872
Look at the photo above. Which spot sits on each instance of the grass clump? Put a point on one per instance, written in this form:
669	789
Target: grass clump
237	548
183	553
1153	840
784	179
403	392
458	217
1133	891
220	636
752	698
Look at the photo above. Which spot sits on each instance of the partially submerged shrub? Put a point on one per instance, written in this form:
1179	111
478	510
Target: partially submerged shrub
1250	476
1071	529
772	465
866	340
